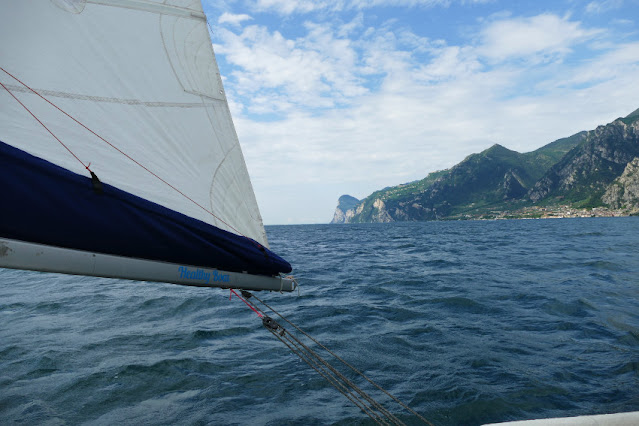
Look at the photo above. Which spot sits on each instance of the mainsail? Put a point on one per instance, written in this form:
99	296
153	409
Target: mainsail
118	154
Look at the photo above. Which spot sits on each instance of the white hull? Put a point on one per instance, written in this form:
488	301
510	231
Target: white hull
617	419
37	257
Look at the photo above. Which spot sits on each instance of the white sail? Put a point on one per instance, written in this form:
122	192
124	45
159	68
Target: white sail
128	90
142	75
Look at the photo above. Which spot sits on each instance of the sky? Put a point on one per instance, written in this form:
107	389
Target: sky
333	97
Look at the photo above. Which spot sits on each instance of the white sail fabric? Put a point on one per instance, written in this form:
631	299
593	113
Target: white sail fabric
141	74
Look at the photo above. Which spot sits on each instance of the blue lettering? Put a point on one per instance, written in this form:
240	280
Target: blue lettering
202	275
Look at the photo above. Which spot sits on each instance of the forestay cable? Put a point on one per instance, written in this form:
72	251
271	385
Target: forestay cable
375	410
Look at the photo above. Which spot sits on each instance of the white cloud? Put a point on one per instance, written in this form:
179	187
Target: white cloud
450	63
615	62
627	22
539	38
317	71
289	7
601	6
229	18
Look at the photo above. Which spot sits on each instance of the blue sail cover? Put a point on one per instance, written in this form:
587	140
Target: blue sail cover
47	204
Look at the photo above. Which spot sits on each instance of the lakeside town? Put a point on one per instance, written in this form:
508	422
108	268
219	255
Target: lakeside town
548	212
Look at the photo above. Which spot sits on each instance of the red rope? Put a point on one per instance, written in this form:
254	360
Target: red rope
112	146
242	299
43	125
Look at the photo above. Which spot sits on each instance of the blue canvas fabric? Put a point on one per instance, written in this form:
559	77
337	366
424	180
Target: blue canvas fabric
47	204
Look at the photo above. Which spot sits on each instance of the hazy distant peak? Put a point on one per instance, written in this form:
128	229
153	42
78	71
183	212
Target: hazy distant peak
347	202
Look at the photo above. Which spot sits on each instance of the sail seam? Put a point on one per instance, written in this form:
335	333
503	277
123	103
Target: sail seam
146	6
217	169
180	79
86	166
168	56
124	101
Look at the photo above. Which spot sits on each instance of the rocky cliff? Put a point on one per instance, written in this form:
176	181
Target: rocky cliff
623	193
583	174
344	210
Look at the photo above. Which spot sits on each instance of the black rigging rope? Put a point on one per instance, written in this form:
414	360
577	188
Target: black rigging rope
376	411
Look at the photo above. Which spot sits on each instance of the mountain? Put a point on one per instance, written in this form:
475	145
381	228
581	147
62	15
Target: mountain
574	171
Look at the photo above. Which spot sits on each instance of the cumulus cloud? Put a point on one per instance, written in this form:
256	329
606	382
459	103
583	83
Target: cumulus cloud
318	71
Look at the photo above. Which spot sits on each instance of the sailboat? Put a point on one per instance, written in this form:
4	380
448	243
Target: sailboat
118	153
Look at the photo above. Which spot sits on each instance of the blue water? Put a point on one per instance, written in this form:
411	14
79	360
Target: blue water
467	322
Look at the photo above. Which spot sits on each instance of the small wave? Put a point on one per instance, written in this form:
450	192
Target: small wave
48	307
192	304
36	412
379	291
602	265
629	367
156	302
464	304
43	367
587	234
12	352
215	334
578	308
631	335
406	246
440	263
13	307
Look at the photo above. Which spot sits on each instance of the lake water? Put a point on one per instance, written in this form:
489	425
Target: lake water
466	322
